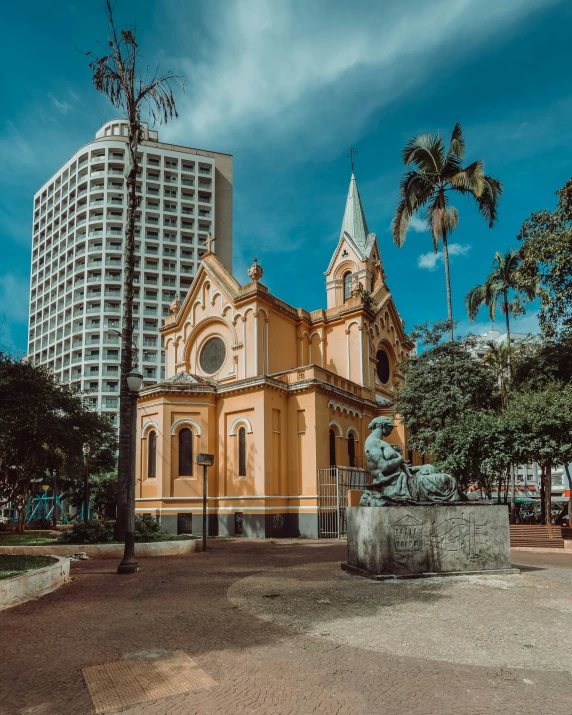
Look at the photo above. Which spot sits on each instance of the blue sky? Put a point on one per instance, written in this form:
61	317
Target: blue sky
287	87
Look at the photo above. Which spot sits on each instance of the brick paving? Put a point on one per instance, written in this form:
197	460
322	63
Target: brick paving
234	612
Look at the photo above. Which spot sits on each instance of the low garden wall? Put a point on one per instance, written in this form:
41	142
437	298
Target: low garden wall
33	584
108	551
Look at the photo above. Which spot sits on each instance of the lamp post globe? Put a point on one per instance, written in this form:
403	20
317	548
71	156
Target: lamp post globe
134	381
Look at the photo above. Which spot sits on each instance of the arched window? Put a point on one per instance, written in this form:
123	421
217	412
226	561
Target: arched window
352	450
152	455
185	452
383	366
347	285
242	452
332	448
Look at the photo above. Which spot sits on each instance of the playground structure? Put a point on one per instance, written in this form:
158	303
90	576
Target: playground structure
42	507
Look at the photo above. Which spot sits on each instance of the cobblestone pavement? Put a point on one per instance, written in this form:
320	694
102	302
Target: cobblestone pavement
281	630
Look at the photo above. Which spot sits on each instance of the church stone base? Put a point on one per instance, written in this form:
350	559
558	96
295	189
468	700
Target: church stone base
254	526
428	540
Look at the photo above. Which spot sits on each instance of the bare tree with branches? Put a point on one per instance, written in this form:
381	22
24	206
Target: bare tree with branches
116	73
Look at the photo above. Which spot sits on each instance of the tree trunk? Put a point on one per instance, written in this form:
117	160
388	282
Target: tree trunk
548	494
123	470
507	319
513	494
448	282
55	492
542	495
499	487
20	519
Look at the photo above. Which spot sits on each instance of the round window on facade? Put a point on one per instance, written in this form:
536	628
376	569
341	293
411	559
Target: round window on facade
383	366
212	355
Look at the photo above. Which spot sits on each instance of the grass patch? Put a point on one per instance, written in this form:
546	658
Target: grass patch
44	538
30	538
12	565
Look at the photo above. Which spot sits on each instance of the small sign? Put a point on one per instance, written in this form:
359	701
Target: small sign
204	459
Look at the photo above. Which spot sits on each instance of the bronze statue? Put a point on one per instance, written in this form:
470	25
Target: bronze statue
395	481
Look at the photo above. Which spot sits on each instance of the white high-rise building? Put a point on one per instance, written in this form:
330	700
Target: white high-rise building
78	238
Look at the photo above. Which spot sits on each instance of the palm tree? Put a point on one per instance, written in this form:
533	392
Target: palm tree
497	358
121	73
496	289
438	172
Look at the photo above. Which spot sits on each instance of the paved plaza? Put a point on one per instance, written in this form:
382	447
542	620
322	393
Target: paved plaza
278	628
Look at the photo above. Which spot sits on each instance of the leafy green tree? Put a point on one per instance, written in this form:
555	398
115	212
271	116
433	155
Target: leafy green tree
102	492
546	254
43	426
538	362
476	450
498	289
129	86
437	172
542	424
441	385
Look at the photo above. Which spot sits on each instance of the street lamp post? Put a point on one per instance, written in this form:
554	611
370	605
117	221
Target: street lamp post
86	450
130	563
206	460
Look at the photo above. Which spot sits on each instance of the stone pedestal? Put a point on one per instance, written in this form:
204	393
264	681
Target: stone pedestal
428	540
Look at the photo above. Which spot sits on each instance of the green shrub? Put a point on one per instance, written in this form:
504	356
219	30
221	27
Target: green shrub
94	532
42	524
147	528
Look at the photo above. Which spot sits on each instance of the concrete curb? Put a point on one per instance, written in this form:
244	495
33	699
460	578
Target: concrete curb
544	550
108	551
15	590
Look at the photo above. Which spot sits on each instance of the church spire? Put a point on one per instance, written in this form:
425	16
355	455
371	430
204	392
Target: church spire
354	222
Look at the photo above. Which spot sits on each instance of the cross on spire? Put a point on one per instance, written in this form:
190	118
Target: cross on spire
351	155
209	242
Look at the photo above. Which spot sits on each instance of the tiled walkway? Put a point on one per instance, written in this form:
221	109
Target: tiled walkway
279	629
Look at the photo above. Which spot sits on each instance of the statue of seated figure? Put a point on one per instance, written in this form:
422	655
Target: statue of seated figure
395	481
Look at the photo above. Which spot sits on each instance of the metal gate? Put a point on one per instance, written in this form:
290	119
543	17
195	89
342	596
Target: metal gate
333	485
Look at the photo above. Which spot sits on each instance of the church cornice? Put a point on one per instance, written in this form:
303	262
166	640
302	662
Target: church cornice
254	383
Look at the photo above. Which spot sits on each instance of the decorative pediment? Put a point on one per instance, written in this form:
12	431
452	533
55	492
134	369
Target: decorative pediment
185	378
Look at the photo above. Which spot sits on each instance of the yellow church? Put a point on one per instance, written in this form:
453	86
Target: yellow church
275	392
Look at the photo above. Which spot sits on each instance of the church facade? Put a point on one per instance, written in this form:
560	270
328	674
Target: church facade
273	391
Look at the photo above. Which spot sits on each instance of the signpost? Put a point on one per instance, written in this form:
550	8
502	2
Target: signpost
206	460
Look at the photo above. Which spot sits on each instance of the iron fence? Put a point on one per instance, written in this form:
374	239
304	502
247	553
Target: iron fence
333	486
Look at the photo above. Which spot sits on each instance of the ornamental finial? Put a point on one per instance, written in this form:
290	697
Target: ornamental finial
255	271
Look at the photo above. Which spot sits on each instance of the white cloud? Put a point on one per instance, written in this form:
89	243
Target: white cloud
302	63
527	323
62	107
417	224
430	260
